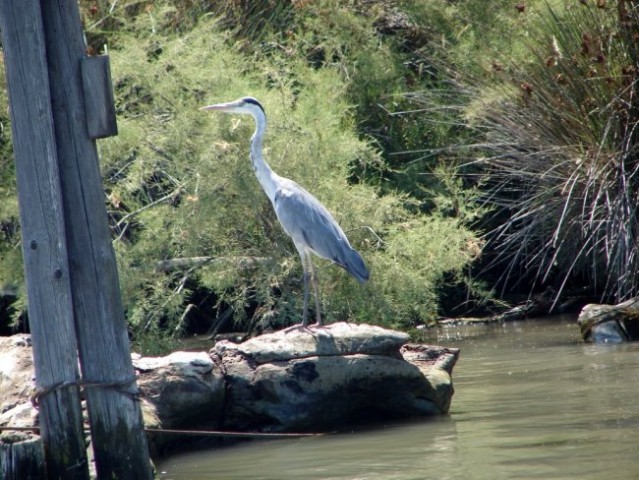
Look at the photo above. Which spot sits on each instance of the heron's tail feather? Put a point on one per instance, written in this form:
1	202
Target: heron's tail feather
354	264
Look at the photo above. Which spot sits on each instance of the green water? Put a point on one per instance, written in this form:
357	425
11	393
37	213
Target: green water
531	402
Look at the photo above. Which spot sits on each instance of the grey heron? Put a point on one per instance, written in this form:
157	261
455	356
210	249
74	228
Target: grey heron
309	224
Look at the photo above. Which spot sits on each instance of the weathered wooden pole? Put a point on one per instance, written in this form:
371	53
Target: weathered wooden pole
21	457
67	244
43	244
115	416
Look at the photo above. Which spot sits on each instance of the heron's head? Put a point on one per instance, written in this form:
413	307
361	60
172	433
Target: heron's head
246	105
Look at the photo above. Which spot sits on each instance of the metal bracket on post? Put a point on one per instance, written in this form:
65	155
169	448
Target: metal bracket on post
99	105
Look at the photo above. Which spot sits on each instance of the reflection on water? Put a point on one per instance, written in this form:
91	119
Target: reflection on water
531	402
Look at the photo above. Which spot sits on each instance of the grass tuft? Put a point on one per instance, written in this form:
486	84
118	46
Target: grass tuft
559	154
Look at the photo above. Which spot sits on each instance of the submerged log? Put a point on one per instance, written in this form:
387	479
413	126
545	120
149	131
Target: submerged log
610	323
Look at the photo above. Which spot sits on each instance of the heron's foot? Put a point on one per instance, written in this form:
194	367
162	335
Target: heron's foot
318	323
305	327
297	326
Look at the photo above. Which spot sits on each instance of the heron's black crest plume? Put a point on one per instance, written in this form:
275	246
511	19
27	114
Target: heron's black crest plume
254	102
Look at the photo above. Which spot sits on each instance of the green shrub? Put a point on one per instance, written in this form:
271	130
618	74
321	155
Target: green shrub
182	187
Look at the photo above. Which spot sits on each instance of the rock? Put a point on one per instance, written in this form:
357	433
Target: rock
610	323
185	388
303	380
436	364
335	339
324	378
16	371
21	415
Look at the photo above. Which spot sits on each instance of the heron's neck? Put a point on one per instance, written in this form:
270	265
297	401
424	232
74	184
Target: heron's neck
264	174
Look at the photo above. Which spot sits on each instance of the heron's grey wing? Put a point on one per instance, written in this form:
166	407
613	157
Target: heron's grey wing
311	226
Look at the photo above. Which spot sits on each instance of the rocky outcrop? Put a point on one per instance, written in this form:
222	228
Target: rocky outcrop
610	323
324	378
296	380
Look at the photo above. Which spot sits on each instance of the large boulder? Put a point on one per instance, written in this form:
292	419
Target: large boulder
610	323
323	378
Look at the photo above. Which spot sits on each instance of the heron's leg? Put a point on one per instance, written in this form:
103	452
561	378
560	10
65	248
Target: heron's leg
307	274
318	316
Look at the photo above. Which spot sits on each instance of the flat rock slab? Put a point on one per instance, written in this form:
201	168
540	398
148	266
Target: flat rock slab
187	363
185	388
326	341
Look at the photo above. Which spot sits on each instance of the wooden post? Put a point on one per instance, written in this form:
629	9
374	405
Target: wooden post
21	457
72	276
99	104
43	245
115	416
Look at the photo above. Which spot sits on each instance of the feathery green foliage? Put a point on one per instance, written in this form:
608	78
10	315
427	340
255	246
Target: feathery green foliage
195	237
11	273
180	186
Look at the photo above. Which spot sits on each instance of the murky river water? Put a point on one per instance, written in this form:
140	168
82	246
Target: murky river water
531	402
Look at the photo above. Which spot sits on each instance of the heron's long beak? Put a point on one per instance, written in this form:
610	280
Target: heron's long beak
224	107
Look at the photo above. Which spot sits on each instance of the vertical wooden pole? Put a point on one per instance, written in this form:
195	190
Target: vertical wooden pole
43	245
115	416
21	457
